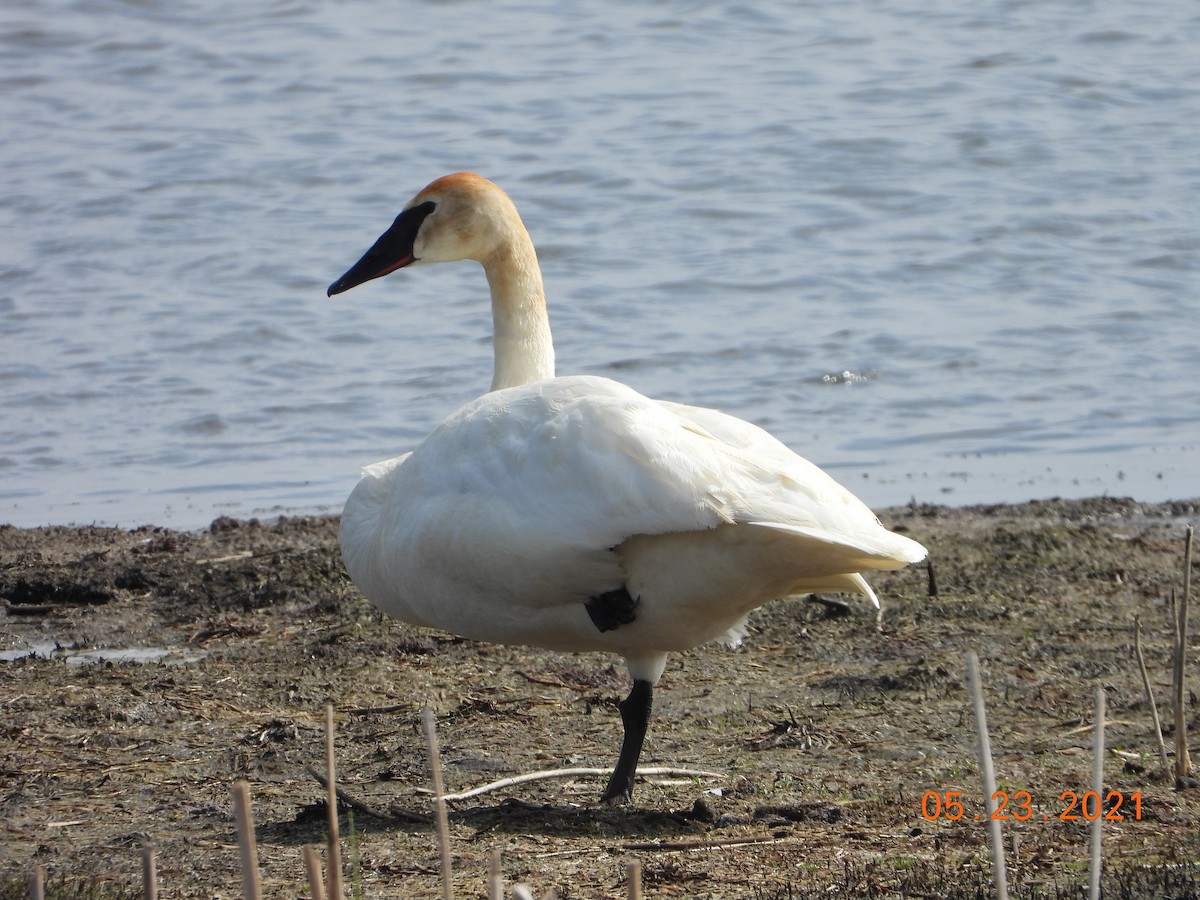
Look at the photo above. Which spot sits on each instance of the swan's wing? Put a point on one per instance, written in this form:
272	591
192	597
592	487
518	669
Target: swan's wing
787	492
522	494
585	461
732	431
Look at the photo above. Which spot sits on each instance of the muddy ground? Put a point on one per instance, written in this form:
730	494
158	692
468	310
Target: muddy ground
827	733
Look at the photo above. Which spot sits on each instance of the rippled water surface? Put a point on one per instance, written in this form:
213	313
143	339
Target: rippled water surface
946	250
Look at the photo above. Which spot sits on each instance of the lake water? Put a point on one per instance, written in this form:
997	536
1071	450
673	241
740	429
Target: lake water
948	251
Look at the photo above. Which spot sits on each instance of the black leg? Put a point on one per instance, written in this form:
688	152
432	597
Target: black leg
635	716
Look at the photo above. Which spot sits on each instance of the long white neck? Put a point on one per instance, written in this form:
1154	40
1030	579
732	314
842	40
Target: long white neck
521	329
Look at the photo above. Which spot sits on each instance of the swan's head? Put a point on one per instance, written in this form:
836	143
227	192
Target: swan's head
461	216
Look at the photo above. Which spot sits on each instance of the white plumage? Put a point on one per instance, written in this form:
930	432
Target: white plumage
574	513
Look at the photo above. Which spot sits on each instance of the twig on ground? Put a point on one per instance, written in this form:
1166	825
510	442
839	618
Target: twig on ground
358	805
572	773
36	882
677	846
439	800
554	682
368	710
576	851
995	835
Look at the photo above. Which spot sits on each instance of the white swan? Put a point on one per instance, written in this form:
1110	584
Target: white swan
576	514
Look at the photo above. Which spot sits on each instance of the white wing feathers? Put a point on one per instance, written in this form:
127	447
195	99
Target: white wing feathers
588	462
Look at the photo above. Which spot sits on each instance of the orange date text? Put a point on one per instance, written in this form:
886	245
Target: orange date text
1018	806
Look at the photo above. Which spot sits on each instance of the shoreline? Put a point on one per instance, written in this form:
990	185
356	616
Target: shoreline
1099	504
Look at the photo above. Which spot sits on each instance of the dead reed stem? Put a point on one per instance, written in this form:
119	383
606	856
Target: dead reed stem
1098	787
149	872
312	866
334	875
633	879
984	743
1141	661
1183	762
689	846
495	877
247	849
439	800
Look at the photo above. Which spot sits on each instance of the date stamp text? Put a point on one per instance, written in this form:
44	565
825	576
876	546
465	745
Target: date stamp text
1071	806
